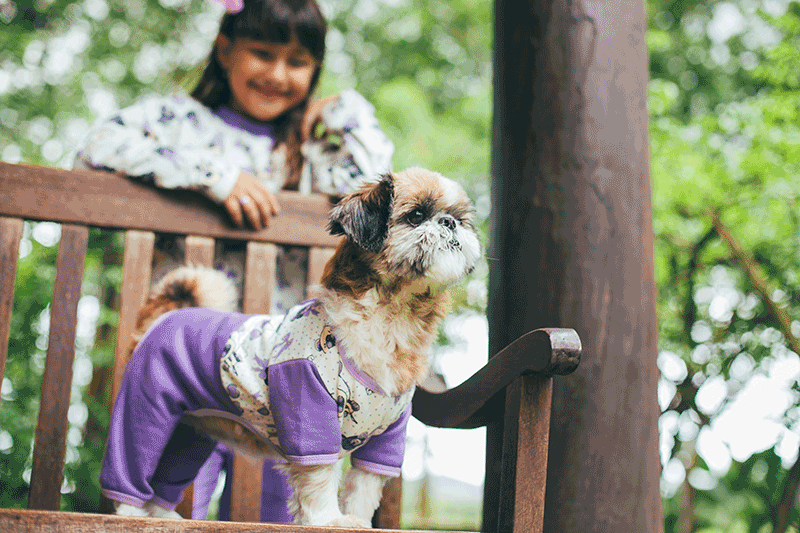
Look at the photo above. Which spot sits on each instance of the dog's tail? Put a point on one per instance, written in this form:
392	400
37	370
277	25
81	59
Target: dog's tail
188	286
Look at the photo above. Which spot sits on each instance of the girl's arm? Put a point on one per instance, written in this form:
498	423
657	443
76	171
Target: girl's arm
170	142
353	149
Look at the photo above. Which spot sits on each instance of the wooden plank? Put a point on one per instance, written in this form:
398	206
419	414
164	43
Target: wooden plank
10	234
186	505
199	251
25	521
246	488
387	516
51	429
259	277
136	272
317	259
259	282
107	200
524	464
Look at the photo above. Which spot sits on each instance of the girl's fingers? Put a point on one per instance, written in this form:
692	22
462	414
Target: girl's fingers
265	210
234	210
266	203
250	200
252	210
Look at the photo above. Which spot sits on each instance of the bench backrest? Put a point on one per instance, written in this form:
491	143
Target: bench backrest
82	199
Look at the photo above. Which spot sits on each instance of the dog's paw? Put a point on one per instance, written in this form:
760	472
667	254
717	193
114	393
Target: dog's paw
126	509
156	511
349	520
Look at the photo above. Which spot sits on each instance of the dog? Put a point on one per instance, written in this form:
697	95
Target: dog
331	378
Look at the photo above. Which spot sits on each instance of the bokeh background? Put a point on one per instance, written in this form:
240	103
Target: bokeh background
724	104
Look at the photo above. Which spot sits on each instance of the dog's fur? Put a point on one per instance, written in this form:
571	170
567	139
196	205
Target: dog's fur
409	237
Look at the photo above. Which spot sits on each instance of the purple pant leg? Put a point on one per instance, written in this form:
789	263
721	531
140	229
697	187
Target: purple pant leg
275	492
206	482
184	455
174	369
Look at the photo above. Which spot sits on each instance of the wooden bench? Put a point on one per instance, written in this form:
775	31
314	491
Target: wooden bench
78	200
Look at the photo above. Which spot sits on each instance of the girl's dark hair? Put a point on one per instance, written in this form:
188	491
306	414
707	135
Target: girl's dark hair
272	21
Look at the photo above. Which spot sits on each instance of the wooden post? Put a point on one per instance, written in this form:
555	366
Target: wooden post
572	236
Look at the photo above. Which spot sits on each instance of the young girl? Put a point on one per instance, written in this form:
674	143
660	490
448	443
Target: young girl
245	133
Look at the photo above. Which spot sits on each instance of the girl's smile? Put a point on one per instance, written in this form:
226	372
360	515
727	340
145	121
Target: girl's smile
266	79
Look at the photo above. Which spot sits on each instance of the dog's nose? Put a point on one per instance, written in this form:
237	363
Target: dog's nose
448	222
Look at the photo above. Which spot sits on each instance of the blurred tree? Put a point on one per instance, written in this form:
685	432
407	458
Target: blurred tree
724	106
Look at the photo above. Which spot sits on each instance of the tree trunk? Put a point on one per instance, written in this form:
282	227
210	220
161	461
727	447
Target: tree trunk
572	246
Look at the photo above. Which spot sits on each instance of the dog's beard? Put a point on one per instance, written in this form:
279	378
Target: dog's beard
432	252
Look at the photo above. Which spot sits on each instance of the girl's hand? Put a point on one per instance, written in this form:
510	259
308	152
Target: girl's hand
313	114
249	198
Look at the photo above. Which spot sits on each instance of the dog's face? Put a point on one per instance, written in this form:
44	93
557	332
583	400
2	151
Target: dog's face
412	225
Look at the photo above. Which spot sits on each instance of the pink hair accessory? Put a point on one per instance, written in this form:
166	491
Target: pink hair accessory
231	6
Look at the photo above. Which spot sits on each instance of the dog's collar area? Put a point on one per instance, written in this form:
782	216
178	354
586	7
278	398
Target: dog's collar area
360	376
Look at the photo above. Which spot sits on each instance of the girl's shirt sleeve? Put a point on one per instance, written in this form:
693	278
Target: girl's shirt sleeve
173	142
354	149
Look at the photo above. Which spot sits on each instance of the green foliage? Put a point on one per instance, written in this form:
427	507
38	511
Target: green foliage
725	135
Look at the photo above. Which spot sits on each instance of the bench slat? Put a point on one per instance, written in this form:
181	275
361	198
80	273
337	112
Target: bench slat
317	259
10	234
388	514
259	279
51	429
199	251
110	201
259	282
25	521
524	470
136	270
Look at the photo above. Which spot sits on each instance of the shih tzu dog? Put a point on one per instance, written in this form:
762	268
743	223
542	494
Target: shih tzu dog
331	378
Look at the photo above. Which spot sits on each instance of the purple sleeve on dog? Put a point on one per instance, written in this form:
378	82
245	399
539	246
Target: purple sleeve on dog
305	413
383	454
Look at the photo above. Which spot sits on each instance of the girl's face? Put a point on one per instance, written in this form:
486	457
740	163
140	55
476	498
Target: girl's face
266	79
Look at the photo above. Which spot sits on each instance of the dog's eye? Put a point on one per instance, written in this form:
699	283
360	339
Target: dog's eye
416	217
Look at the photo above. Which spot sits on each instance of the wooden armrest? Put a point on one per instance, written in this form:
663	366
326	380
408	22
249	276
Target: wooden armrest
548	352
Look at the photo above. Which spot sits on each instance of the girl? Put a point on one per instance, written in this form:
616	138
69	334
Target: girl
245	133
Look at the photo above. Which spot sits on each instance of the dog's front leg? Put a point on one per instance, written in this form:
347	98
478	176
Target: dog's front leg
314	499
362	493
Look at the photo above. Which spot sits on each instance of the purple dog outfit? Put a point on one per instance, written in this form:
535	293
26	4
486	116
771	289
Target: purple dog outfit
287	378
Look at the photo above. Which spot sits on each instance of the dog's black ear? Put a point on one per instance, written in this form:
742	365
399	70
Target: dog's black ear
364	215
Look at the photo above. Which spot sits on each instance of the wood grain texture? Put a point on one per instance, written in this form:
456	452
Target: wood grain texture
10	234
26	521
388	515
259	282
199	251
524	474
107	200
546	352
185	506
572	225
136	271
317	259
51	428
246	488
259	277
